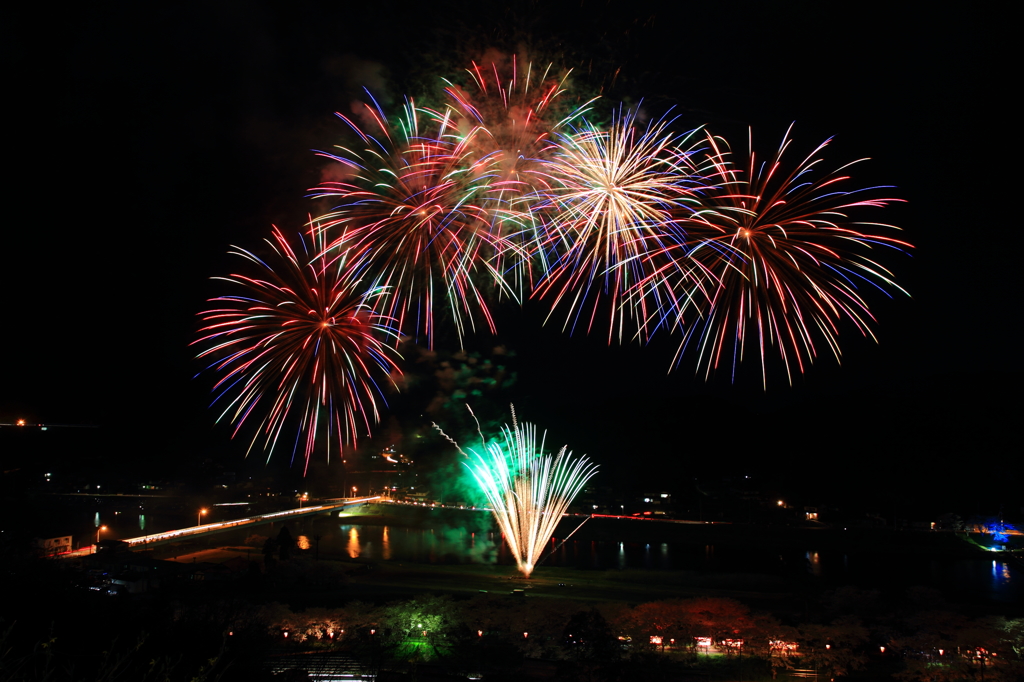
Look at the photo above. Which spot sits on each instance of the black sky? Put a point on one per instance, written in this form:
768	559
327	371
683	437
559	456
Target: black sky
144	140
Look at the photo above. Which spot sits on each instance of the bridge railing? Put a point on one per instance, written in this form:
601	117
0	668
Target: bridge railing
233	523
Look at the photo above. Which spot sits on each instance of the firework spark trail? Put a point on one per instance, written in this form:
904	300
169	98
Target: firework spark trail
300	345
785	261
411	207
613	204
528	491
509	189
556	548
448	438
479	431
512	111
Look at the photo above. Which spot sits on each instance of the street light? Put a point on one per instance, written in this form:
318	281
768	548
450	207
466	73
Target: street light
98	533
199	517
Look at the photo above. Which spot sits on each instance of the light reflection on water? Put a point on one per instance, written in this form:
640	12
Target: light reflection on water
813	563
353	547
983	578
1001	573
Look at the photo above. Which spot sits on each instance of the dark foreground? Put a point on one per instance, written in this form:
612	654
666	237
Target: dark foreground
274	612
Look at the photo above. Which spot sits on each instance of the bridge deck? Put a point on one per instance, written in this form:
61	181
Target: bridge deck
222	526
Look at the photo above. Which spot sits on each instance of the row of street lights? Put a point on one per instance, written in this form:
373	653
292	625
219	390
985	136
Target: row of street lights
203	511
199	521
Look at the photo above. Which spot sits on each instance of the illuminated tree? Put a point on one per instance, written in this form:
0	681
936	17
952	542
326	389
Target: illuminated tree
835	649
428	620
718	618
1013	636
655	624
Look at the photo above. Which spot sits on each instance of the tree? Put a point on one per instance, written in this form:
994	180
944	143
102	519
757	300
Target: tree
587	637
944	646
285	543
591	647
646	623
834	650
1013	637
771	641
269	550
423	619
718	618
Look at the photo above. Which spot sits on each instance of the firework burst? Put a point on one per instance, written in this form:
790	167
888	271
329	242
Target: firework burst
299	347
784	261
514	108
511	110
411	206
528	491
613	204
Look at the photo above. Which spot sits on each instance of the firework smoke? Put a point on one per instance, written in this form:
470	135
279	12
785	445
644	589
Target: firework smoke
528	491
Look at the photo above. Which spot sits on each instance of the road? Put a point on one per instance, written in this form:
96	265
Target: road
222	526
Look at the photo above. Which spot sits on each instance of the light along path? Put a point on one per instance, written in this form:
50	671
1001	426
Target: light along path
219	527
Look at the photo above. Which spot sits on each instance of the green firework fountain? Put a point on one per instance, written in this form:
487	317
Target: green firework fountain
528	491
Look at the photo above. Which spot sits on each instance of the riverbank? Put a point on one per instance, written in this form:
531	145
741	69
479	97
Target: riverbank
820	537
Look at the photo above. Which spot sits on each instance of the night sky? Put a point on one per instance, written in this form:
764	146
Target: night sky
143	141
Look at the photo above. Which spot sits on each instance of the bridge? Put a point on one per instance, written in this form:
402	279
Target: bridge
224	526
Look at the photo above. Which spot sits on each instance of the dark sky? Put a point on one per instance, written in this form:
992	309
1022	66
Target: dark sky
142	141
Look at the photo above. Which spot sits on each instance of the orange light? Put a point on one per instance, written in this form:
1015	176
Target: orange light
21	422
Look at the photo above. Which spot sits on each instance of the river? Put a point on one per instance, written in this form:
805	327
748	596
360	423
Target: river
469	539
